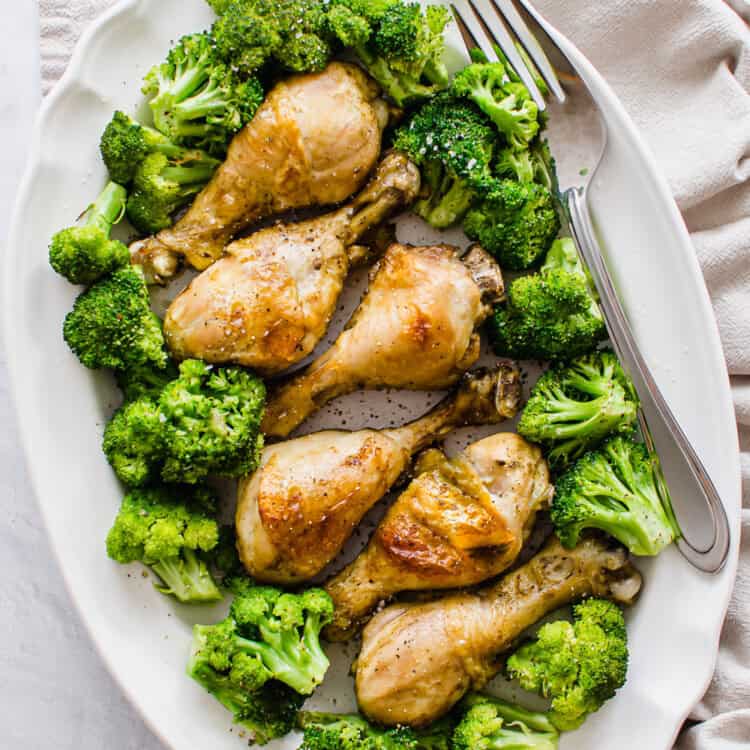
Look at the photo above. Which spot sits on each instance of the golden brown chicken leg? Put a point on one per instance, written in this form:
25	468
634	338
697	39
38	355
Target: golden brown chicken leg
313	142
458	523
418	660
299	508
269	300
415	328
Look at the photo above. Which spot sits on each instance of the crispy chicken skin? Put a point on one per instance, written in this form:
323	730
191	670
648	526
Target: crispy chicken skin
299	508
458	523
418	660
415	328
312	142
269	300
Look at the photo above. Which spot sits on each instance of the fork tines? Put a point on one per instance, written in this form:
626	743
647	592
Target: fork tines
485	24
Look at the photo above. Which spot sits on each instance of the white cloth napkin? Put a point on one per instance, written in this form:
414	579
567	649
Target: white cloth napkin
682	70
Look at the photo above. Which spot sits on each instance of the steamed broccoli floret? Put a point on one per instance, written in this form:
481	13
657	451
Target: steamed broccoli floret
492	724
552	314
505	101
134	441
239	682
400	44
197	99
327	731
168	529
579	665
145	380
616	489
84	253
205	422
161	187
452	143
573	407
111	324
269	641
514	221
212	421
249	33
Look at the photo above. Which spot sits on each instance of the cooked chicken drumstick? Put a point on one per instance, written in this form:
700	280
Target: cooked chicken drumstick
415	328
269	300
418	660
312	142
299	508
458	523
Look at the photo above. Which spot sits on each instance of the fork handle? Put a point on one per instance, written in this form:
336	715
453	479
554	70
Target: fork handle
664	436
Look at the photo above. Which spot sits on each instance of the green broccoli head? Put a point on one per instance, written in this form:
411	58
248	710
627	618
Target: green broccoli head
211	422
400	44
452	143
168	528
514	221
505	101
111	324
328	731
85	253
196	99
249	33
241	683
134	442
552	314
573	407
265	656
162	185
145	380
616	488
491	723
579	665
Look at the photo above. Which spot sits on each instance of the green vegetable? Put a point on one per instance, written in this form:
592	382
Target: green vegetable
145	380
206	422
573	407
85	253
250	33
161	187
505	101
328	731
400	44
452	143
616	489
514	221
168	529
196	99
579	665
552	314
492	724
265	656
111	324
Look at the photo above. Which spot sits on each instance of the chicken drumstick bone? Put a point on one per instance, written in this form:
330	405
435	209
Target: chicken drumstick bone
458	523
269	300
299	508
415	328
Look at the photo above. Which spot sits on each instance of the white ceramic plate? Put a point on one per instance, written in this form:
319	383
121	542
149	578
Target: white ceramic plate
142	635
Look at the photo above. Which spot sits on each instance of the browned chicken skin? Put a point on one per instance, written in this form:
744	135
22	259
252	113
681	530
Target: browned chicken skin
299	508
415	328
458	523
313	142
269	300
418	660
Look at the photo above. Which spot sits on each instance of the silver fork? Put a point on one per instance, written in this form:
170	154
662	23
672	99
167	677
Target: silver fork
484	24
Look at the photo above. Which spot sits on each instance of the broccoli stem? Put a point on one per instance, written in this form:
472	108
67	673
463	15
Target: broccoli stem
209	101
188	175
107	209
187	578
